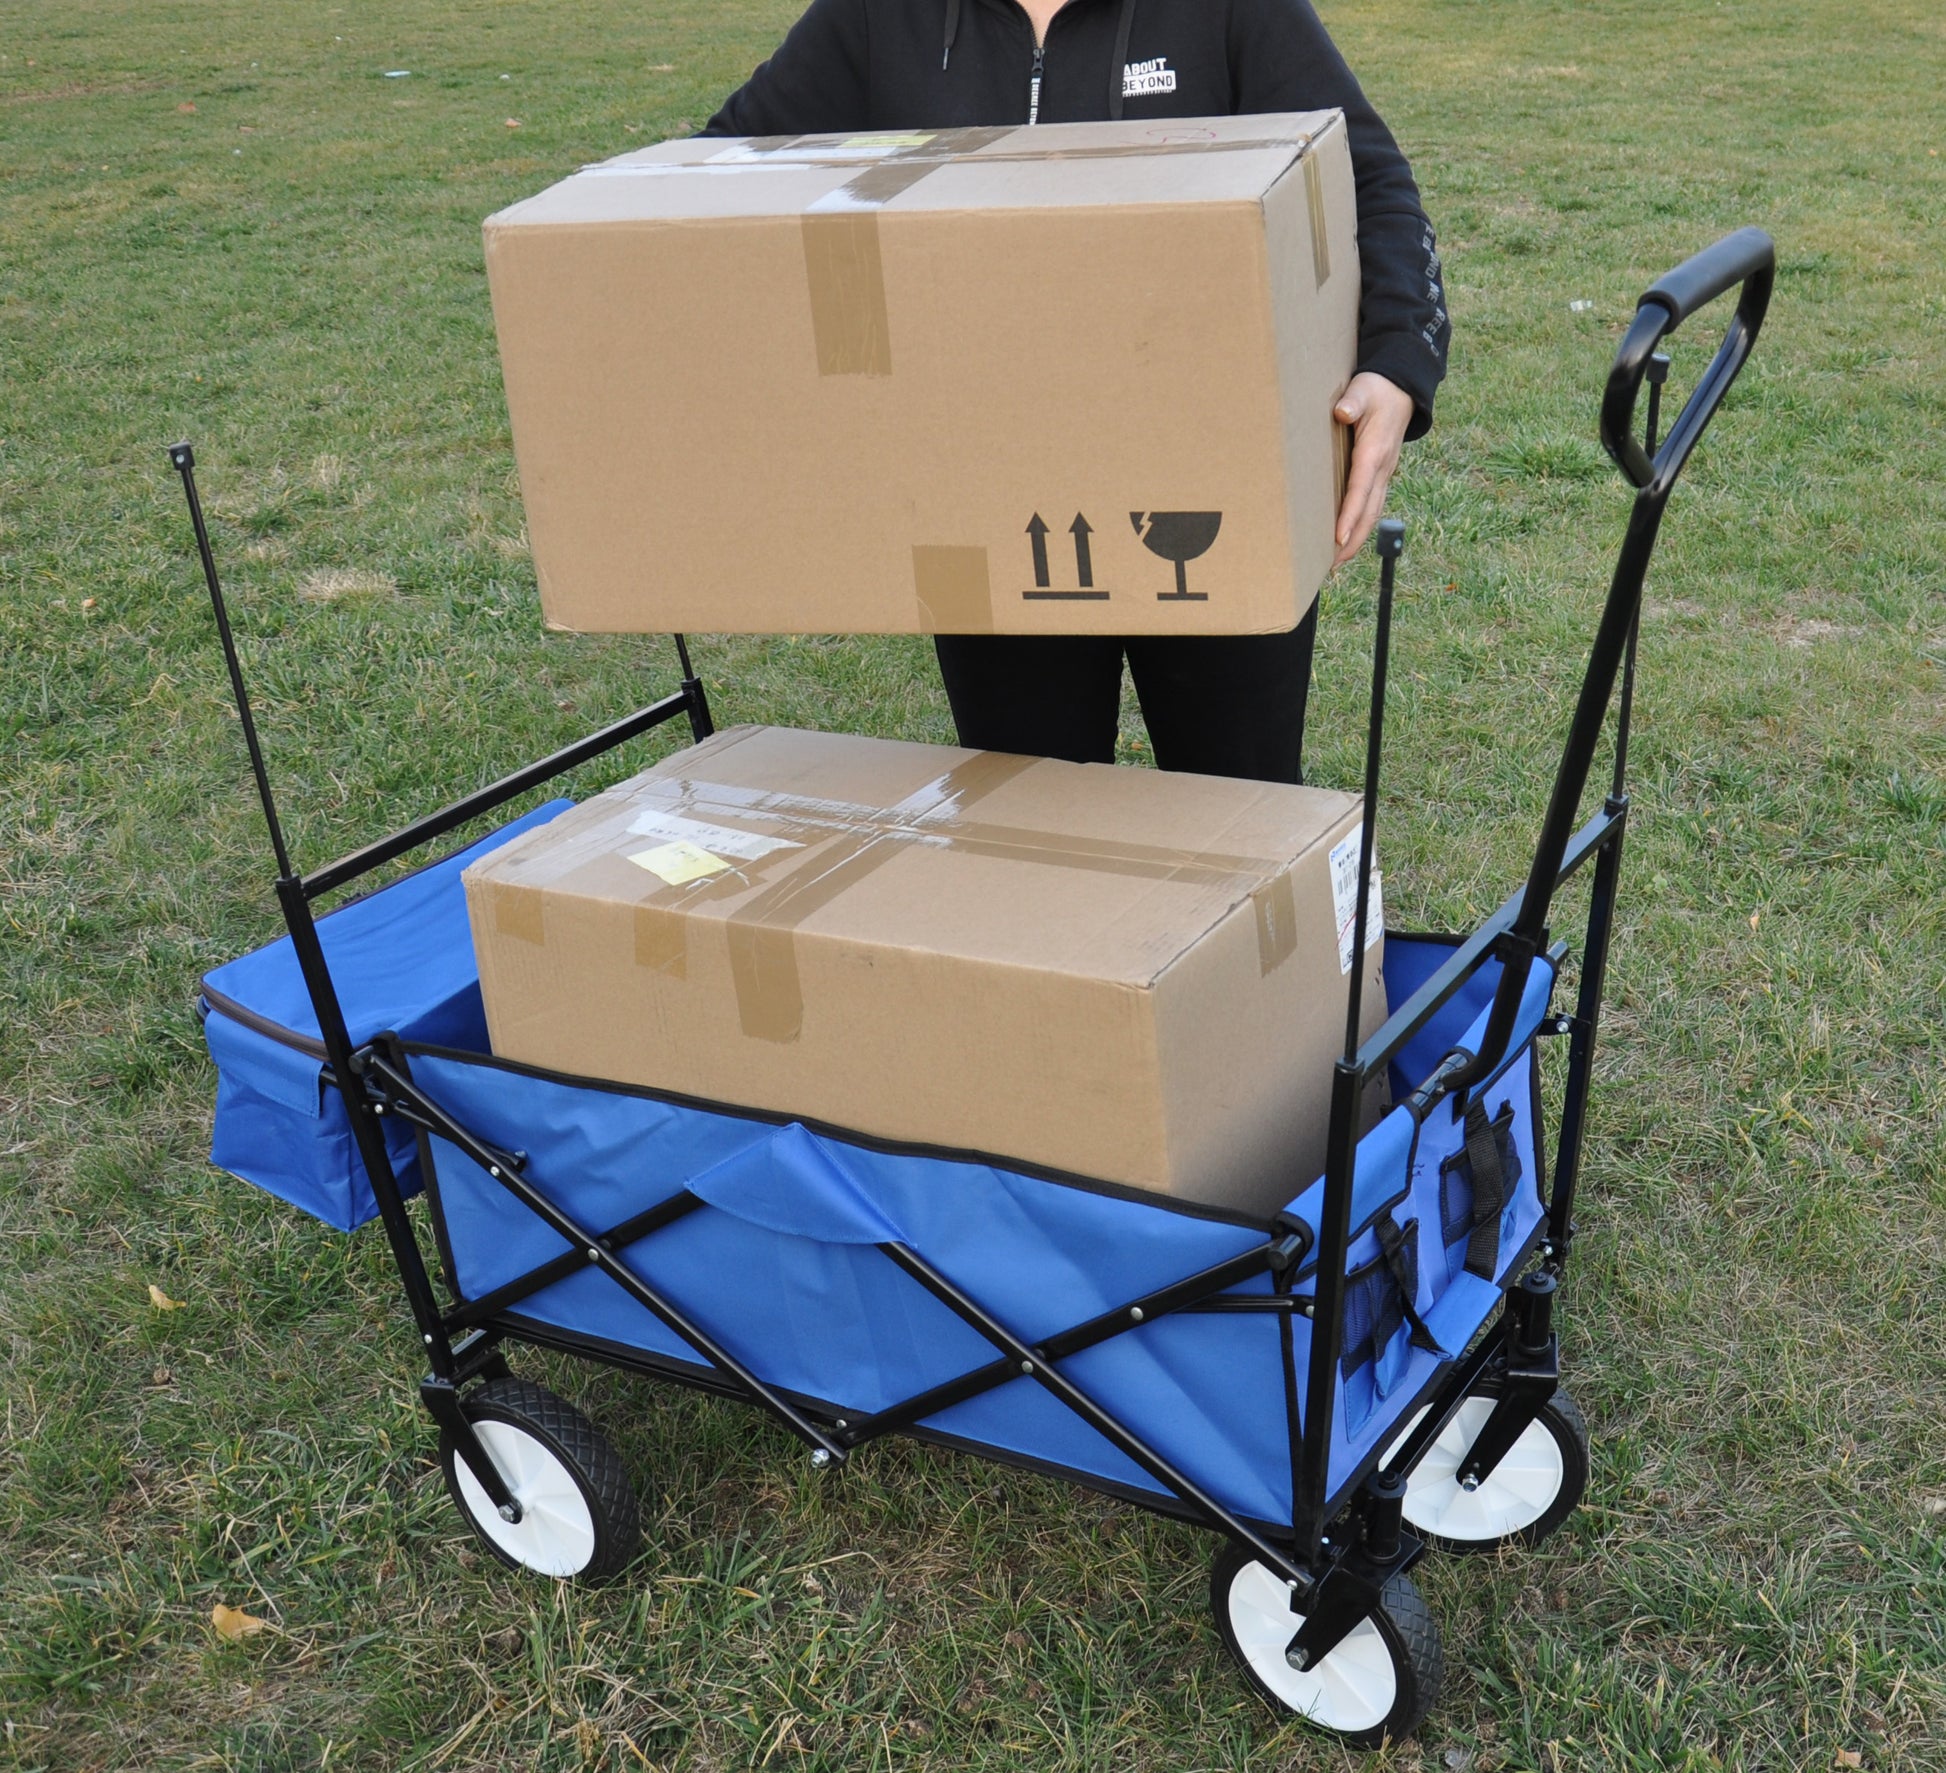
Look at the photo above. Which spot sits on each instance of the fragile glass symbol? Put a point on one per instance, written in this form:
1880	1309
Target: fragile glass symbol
1178	536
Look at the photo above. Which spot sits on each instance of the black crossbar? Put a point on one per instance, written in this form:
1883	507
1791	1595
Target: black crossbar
595	1255
1184	1295
630	1231
1043	1373
1470	955
375	855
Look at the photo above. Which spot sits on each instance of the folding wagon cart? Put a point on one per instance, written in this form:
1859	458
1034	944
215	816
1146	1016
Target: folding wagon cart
1371	1371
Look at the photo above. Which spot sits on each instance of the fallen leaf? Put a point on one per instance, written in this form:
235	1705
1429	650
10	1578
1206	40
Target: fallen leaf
513	122
87	603
1850	1757
161	1300
1753	918
1933	1504
233	1623
186	109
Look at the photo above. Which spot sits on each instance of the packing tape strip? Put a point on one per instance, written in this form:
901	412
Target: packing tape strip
763	933
1320	231
856	841
844	270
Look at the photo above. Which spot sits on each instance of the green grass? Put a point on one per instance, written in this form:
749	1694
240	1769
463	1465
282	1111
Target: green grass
1756	1325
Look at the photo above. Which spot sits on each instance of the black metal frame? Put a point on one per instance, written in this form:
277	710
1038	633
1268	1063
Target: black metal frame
1334	1581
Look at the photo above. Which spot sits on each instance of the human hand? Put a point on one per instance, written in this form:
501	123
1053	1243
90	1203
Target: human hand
1378	412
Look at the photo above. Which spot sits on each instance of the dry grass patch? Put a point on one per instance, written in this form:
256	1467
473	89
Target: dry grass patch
330	584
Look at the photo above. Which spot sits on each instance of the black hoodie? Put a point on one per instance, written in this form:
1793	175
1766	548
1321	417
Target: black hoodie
940	64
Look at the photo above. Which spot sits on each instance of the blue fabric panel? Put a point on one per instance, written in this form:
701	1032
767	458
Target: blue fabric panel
401	958
1408	965
778	1265
792	1184
278	1126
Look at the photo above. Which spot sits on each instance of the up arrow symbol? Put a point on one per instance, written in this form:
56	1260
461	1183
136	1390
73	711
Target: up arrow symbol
1037	530
1084	565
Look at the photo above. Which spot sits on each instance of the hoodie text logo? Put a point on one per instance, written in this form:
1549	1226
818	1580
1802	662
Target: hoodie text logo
1140	79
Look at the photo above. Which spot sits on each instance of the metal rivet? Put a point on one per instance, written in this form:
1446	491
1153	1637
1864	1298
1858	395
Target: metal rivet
594	1255
1026	1366
1135	1314
842	1423
493	1170
428	1338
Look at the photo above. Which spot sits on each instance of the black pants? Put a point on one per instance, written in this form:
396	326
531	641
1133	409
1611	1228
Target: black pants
1224	705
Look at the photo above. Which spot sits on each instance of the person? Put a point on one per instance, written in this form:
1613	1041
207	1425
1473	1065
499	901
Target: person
1222	705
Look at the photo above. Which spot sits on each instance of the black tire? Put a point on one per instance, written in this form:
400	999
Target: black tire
558	1540
1564	1426
1403	1634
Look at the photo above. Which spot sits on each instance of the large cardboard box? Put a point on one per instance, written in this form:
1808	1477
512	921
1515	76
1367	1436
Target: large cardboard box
1124	975
1069	379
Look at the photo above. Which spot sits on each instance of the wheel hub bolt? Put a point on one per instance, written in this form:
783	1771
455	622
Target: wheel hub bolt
1469	1483
819	1459
509	1513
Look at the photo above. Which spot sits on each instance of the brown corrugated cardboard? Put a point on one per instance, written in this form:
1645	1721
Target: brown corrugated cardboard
1117	973
1072	379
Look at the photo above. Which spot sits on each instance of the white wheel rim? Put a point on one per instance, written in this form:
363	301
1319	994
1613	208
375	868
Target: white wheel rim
1514	1495
555	1535
1354	1688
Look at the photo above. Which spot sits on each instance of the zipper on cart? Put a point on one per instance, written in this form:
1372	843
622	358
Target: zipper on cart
1034	85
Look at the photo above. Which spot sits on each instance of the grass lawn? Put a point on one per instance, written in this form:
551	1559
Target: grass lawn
218	220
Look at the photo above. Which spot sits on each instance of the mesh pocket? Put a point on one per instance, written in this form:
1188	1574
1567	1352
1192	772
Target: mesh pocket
1375	1303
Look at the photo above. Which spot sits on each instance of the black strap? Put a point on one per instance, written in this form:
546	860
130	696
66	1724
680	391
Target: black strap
1489	1192
1405	1277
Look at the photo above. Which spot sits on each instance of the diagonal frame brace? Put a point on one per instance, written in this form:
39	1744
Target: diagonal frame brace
596	1253
1045	1374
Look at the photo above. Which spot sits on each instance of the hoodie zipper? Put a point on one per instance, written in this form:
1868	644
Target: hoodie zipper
1034	85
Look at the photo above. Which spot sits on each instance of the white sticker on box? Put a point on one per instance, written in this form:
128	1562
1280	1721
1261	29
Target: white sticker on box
719	840
679	863
1344	896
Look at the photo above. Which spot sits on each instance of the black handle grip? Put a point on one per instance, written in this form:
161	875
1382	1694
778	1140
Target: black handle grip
1747	258
1698	281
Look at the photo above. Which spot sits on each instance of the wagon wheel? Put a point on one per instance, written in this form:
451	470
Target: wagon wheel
1522	1500
1375	1686
578	1511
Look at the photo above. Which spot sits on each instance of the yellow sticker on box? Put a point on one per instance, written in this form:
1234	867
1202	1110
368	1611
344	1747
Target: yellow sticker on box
680	862
886	141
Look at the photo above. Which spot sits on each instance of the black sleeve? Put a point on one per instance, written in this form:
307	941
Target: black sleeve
1281	59
816	82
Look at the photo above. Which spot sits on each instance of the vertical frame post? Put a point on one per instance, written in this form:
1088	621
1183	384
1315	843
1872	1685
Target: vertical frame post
1601	910
700	723
1310	1493
366	1129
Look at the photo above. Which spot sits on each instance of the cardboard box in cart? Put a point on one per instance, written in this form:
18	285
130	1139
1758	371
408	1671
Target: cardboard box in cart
1069	379
1124	975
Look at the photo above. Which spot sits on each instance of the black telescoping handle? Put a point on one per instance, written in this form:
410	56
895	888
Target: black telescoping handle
1747	258
1699	280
